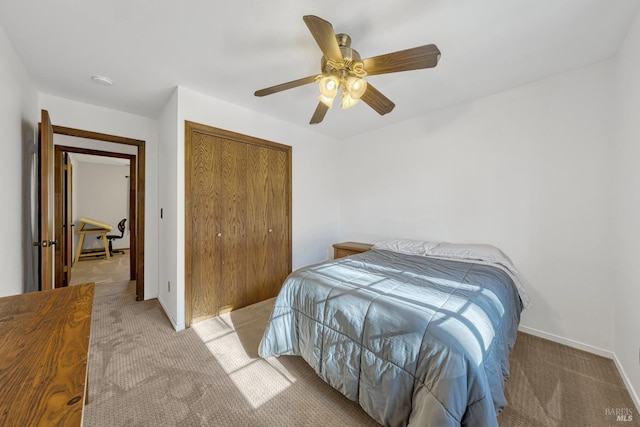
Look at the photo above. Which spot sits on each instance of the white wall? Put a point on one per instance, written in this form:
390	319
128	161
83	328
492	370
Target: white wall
528	170
92	118
103	195
626	295
316	208
169	235
19	118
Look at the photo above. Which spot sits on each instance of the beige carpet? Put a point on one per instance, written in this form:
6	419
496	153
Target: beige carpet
143	373
553	385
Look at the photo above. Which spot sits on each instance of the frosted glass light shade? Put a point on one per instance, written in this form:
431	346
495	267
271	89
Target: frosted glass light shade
325	100
328	86
348	101
356	87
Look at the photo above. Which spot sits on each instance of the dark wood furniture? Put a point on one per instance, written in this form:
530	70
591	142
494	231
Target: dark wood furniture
349	248
44	348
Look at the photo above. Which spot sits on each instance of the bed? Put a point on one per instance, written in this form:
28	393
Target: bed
418	333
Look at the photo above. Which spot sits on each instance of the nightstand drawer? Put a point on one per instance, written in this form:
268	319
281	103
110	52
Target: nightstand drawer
349	248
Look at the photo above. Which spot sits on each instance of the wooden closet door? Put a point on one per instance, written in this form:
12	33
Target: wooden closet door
218	219
268	222
232	227
279	238
204	217
238	220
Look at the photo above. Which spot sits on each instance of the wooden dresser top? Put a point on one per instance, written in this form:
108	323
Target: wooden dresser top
44	346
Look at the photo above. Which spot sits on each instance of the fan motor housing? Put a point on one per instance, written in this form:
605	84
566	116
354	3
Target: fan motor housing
349	54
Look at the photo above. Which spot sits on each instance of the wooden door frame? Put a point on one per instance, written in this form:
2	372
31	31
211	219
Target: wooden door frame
61	235
46	238
137	168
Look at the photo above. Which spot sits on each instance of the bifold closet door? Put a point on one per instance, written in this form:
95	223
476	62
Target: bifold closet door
219	203
204	245
268	222
238	220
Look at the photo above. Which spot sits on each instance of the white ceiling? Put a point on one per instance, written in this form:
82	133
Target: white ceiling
228	50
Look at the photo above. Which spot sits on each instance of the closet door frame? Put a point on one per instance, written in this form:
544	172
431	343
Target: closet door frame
191	129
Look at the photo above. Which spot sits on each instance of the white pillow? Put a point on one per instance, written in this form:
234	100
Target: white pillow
406	246
475	252
472	251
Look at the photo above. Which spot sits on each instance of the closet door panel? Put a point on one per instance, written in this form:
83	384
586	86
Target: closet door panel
257	223
233	251
205	202
278	238
268	235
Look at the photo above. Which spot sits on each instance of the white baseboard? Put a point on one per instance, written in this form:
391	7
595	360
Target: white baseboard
627	383
177	326
571	343
591	349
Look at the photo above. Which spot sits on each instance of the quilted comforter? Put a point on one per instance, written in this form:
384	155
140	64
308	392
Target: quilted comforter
415	340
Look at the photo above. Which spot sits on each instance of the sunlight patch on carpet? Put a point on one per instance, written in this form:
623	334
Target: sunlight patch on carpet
259	380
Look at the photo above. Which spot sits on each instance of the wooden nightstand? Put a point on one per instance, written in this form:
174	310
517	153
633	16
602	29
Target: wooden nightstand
349	248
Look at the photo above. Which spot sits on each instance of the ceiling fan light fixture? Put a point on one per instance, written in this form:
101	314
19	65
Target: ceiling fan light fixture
356	86
343	70
353	89
348	101
328	86
326	100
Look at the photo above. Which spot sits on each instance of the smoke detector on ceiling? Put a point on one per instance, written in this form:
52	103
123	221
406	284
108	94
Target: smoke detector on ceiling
102	80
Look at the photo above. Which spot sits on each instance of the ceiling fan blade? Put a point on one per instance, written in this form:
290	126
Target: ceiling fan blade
322	31
403	60
285	86
319	114
377	100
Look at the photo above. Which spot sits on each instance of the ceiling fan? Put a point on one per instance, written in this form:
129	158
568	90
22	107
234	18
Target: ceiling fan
343	71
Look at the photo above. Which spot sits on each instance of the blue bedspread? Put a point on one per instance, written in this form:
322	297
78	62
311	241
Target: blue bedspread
415	340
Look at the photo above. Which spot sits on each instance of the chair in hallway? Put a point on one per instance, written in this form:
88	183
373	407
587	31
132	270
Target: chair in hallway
112	237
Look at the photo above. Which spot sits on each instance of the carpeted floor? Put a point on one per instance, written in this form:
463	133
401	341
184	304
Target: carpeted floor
555	385
143	373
